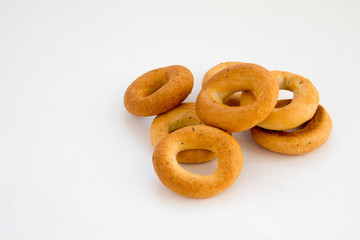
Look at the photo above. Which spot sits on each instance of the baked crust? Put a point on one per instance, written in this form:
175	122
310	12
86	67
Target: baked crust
189	184
233	99
314	133
238	77
181	116
158	90
299	110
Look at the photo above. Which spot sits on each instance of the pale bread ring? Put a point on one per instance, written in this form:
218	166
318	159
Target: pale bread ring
301	108
314	133
181	116
244	76
189	184
233	99
217	68
158	91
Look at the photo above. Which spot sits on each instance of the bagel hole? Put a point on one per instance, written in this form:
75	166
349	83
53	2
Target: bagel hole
205	168
284	95
240	98
233	100
155	86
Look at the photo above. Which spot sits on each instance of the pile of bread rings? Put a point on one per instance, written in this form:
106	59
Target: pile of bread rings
201	131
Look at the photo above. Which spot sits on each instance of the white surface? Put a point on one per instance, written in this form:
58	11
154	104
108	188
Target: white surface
75	165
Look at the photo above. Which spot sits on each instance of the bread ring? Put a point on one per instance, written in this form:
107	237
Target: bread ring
314	133
301	108
158	91
244	76
181	116
189	184
233	99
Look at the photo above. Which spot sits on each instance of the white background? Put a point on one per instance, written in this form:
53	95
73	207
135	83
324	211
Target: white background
74	164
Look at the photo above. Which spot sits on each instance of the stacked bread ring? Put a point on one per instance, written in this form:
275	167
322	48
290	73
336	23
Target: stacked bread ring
199	132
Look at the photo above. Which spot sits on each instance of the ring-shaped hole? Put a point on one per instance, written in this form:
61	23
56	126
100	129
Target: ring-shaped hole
233	100
205	168
159	82
284	94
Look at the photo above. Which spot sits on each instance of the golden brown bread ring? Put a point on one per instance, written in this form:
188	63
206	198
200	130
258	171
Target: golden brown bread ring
233	99
189	184
181	116
301	108
244	76
314	133
158	90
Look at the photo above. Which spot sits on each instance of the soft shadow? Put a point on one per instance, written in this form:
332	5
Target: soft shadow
139	128
251	150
